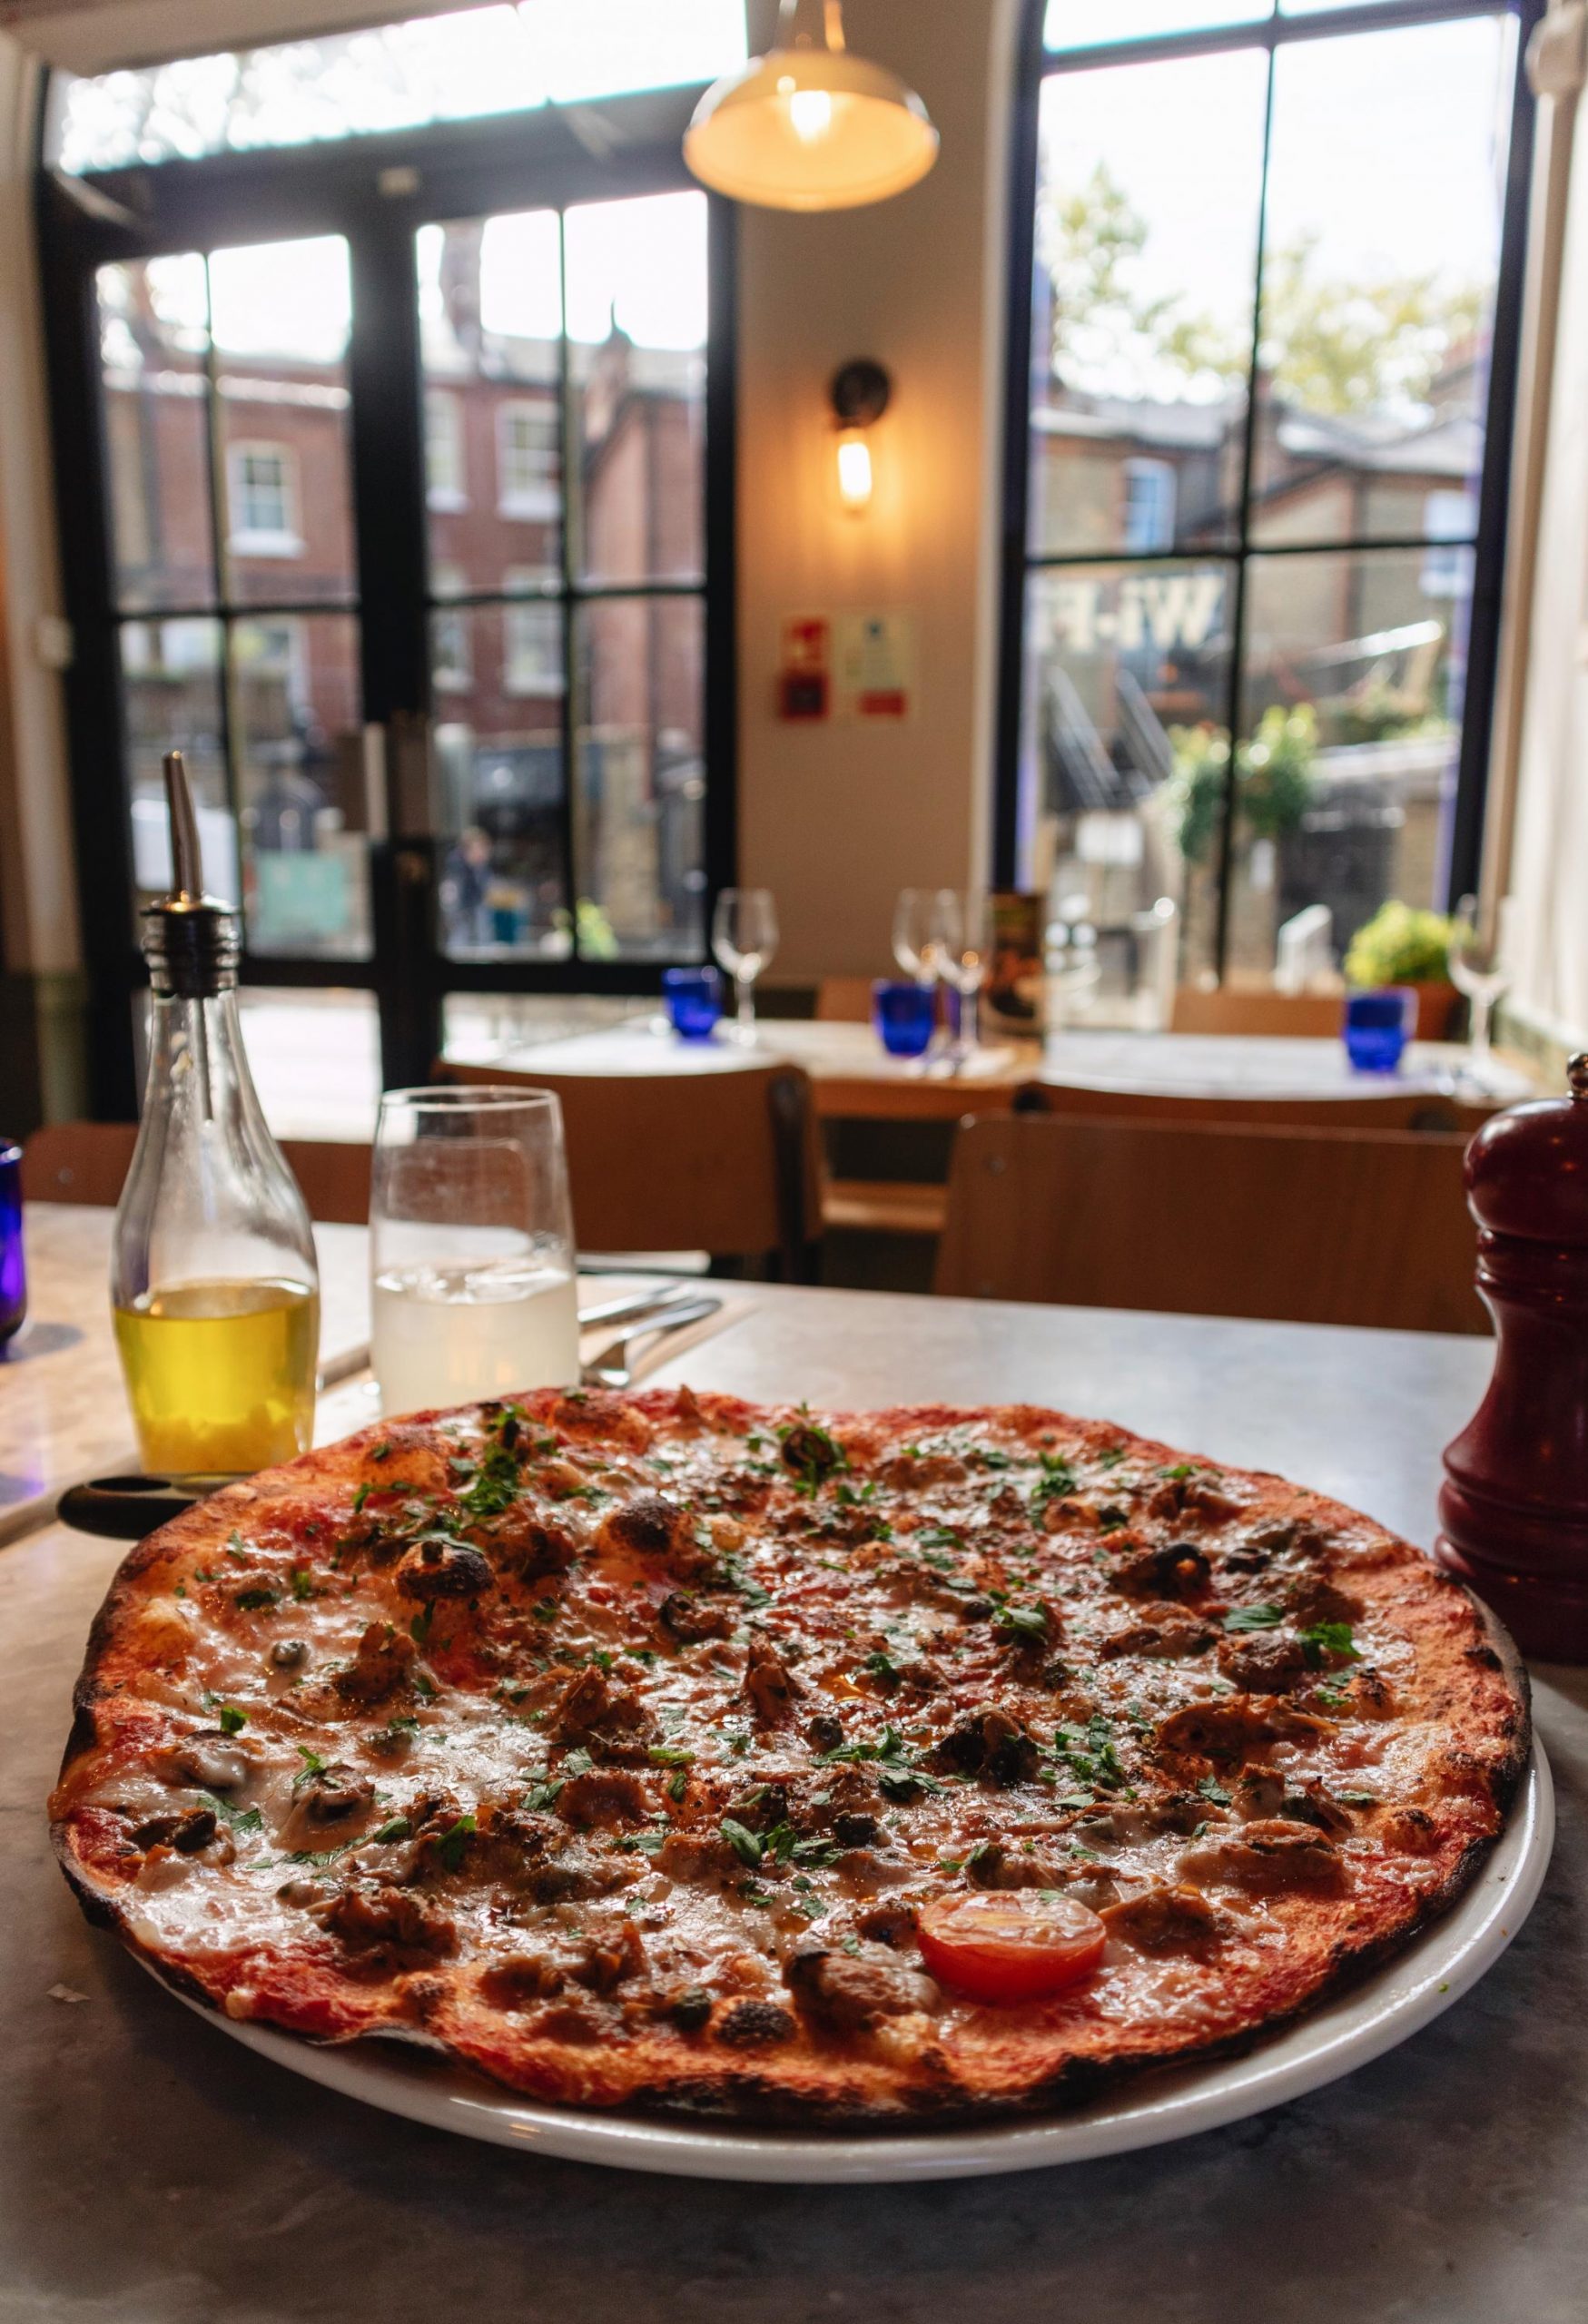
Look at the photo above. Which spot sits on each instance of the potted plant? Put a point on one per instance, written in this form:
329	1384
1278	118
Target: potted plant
1402	945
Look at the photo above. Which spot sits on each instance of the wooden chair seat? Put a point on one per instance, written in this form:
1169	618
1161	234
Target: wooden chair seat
1319	1226
719	1161
844	1000
884	1207
1230	1010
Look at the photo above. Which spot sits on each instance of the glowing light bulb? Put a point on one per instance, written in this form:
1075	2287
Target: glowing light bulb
855	470
811	111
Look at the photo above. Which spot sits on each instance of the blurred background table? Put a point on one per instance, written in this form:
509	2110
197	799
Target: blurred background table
853	1077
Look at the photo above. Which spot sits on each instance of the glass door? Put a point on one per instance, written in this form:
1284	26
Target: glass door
394	486
234	589
564	370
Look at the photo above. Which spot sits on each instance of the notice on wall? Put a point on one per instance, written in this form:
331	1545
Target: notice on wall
874	665
804	668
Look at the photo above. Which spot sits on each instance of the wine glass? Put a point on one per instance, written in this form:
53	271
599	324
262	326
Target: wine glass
919	934
1477	970
966	920
471	1247
743	937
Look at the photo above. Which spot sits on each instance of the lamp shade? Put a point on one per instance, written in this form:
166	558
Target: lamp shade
809	128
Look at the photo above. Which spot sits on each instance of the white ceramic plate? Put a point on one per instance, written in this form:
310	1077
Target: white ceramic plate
1369	2019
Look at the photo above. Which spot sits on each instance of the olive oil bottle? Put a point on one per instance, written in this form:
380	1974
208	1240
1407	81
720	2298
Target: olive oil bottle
214	1279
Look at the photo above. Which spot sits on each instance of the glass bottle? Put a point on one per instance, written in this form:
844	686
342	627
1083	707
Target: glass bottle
213	1280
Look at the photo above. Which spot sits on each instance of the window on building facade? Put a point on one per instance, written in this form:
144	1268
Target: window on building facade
265	502
528	459
1150	505
452	664
532	659
1258	475
446	469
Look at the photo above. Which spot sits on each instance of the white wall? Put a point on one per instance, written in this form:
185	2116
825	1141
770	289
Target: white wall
836	818
1549	870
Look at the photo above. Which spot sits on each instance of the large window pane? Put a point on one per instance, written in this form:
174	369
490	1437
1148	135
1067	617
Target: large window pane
1352	696
636	316
1379	273
153	335
1142	327
448	68
280	315
1126	674
297	740
639	800
498	671
172	700
1088	23
490	324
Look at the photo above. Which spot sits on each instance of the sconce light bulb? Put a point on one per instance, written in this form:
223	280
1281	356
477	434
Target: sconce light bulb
855	470
810	112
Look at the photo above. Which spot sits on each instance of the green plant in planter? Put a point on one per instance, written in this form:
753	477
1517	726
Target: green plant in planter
1400	945
1273	775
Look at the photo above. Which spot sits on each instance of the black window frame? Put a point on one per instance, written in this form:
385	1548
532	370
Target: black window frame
377	190
1036	64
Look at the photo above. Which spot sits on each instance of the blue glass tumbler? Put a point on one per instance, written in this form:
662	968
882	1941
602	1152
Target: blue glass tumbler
1378	1026
13	1274
903	1015
695	1001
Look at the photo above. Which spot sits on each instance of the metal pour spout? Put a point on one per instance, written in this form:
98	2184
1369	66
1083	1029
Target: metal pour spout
187	883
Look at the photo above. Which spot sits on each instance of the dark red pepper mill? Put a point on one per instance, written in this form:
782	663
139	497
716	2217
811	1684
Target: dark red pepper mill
1513	1509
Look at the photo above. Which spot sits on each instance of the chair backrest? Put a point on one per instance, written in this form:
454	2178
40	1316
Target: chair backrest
718	1160
83	1162
1331	1226
1229	1009
1389	1108
844	1000
86	1162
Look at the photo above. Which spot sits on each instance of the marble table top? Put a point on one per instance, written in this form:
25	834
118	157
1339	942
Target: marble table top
63	1407
153	2171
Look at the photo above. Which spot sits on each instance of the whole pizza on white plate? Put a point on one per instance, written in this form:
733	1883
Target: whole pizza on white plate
671	1751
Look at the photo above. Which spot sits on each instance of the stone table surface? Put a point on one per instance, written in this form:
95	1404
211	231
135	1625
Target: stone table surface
63	1407
152	2171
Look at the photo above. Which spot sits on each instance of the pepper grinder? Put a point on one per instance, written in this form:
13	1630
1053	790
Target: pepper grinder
1513	1509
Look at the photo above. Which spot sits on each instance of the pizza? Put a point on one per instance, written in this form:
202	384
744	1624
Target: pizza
668	1750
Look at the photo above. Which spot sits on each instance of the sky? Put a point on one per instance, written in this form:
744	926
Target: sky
1387	145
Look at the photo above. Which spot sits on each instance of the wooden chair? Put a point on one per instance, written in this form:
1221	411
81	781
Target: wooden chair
1408	1109
725	1162
86	1162
844	1000
1229	1009
1331	1226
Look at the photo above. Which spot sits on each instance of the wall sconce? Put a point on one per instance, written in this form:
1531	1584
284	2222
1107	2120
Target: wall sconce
859	396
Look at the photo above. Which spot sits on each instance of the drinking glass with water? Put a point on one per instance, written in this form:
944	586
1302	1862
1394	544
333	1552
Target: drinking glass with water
471	1247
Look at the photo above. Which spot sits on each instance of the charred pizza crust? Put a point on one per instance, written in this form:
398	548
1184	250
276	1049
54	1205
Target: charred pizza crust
612	1745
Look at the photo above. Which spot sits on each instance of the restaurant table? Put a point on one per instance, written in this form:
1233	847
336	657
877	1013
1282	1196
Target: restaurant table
853	1077
154	2171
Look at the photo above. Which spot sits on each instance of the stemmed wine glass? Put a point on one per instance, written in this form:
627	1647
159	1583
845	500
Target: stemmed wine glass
965	919
920	936
1477	970
743	937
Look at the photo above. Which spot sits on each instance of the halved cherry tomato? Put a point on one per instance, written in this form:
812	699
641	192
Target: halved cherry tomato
1010	1944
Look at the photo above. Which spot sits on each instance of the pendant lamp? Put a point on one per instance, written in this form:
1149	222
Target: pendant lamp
808	126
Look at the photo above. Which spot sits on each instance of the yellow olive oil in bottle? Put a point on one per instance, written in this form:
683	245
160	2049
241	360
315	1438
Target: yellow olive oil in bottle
213	1280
